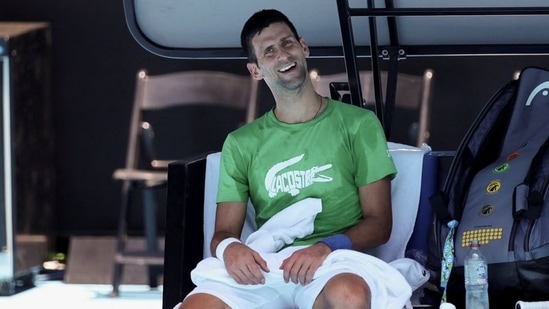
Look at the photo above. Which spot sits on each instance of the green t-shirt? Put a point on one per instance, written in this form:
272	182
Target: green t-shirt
277	164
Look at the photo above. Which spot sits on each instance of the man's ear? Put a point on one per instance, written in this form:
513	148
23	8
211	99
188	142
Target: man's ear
254	70
305	47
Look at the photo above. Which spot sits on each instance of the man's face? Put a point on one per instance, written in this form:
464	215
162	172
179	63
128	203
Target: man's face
281	58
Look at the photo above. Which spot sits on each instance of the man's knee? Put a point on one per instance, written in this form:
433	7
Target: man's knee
202	300
344	291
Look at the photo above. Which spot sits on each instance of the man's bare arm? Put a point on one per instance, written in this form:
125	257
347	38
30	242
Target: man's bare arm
375	227
373	230
229	220
243	264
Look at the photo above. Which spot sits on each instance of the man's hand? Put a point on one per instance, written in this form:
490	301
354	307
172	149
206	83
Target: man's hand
301	266
244	264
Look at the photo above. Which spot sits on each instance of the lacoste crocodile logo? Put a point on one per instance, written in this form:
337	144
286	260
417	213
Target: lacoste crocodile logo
293	181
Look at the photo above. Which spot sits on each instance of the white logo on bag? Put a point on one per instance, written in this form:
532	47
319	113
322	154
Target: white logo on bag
293	181
543	88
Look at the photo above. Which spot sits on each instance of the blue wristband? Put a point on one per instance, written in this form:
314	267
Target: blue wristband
338	241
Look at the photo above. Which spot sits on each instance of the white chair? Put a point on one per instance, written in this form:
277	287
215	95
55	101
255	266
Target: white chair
192	188
405	194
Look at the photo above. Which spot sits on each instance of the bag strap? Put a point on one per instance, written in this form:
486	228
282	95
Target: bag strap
536	197
439	204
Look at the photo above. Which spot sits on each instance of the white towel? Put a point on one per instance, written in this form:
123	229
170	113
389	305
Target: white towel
295	221
416	275
387	283
389	287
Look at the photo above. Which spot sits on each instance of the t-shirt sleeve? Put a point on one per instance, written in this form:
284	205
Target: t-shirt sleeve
373	159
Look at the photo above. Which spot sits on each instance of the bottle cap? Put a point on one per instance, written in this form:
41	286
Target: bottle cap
447	306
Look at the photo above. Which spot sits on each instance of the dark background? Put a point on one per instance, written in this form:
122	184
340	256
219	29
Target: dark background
94	63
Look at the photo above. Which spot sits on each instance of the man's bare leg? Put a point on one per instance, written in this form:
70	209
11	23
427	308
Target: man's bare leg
201	301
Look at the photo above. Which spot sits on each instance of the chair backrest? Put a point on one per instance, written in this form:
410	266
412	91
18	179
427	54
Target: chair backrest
170	91
405	195
413	93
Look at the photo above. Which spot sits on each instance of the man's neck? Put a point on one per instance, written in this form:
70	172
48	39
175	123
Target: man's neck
299	107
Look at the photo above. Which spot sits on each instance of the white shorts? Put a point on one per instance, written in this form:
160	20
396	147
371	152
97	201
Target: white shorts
388	287
269	296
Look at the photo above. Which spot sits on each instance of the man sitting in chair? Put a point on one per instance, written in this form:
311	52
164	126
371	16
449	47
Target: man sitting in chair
326	157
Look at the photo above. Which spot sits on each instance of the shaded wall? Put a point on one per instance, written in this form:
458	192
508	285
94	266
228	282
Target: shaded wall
94	64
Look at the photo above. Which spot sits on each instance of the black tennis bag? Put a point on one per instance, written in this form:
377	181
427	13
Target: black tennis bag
496	192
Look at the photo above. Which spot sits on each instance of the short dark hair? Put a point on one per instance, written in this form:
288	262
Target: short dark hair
256	23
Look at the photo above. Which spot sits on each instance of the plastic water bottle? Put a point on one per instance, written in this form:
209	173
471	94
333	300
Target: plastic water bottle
476	278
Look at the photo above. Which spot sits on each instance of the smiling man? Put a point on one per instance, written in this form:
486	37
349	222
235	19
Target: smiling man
307	146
